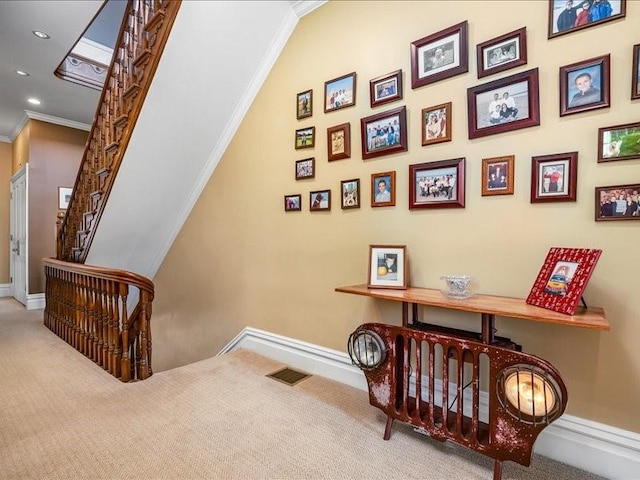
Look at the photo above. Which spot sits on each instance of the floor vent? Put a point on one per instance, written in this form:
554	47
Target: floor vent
289	376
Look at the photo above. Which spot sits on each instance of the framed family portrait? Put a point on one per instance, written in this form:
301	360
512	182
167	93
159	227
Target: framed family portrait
386	88
618	202
320	200
584	85
503	105
635	73
293	203
387	266
350	193
440	55
620	142
554	177
563	278
304	104
437	184
436	124
340	92
497	175
502	53
305	168
64	197
384	133
383	189
305	137
339	142
566	16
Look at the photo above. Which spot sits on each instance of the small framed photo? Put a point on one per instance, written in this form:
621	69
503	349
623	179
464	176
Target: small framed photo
339	142
387	266
350	193
384	133
385	89
437	184
305	137
304	104
584	85
293	203
635	73
497	175
440	55
305	168
502	53
621	142
383	189
340	92
436	124
320	200
563	278
566	16
554	177
618	202
503	105
64	197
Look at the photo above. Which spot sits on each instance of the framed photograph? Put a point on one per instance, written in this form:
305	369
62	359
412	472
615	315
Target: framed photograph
503	105
339	142
387	266
635	73
304	104
385	89
621	142
618	202
436	124
305	168
64	196
563	278
584	85
437	184
293	203
305	137
320	200
440	55
566	16
383	189
554	177
350	193
384	133
497	175
502	53
340	92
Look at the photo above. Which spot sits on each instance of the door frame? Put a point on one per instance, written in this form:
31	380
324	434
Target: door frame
24	171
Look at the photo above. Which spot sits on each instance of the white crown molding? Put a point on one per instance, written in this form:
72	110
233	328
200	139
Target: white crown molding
4	139
28	114
302	7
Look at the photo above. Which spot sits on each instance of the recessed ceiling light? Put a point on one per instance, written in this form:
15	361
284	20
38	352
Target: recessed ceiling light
41	35
34	101
22	74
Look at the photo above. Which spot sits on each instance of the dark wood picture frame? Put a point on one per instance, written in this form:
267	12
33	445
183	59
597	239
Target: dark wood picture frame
320	200
340	92
339	142
554	178
305	138
585	85
433	179
635	73
387	196
502	53
440	55
304	104
561	22
439	130
293	203
305	168
350	193
387	266
386	88
620	142
617	202
376	141
523	113
497	175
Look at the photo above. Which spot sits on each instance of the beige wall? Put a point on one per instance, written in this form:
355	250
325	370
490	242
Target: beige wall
241	261
5	180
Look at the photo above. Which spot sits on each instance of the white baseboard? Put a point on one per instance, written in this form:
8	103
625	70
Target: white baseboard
5	290
35	301
595	447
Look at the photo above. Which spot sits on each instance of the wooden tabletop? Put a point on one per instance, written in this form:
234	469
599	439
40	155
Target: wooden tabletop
592	317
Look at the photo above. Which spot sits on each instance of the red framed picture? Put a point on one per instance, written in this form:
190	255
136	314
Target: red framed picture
563	278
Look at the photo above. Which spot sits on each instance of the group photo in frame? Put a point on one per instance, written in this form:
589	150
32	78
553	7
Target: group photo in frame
563	279
320	200
339	142
554	177
383	189
584	85
304	104
384	133
566	16
350	190
340	92
497	175
436	124
503	105
635	73
437	184
293	203
305	138
386	88
305	168
387	266
618	202
440	55
502	53
620	142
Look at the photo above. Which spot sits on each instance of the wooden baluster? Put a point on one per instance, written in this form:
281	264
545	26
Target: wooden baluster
145	340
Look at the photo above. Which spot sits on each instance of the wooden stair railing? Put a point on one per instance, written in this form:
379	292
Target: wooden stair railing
143	34
87	307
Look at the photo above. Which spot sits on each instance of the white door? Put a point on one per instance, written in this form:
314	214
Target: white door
18	235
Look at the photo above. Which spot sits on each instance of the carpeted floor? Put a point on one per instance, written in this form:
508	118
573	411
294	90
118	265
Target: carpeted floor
62	417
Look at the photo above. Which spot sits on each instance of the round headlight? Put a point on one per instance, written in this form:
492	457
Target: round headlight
366	349
529	393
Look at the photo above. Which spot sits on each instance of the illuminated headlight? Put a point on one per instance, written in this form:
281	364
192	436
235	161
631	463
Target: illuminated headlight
366	349
529	393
